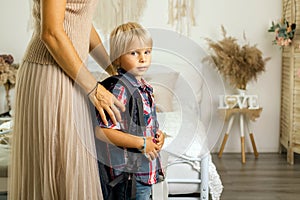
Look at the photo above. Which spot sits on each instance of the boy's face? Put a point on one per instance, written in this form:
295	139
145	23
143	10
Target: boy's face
136	61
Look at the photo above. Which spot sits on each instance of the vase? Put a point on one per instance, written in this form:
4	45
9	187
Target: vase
241	92
242	100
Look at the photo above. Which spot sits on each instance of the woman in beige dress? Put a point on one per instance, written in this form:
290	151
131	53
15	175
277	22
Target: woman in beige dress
53	150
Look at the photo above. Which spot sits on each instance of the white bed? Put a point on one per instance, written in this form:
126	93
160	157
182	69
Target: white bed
189	170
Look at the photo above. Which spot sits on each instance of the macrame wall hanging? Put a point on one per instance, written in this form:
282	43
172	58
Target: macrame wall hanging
181	15
111	13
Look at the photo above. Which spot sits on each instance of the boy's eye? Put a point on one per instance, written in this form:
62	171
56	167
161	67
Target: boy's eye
148	52
133	53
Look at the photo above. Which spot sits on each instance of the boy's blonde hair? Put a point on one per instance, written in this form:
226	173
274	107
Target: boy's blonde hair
123	37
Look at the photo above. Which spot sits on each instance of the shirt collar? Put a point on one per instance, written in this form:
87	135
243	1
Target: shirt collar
142	85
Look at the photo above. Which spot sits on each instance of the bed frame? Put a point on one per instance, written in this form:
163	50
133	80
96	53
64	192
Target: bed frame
160	190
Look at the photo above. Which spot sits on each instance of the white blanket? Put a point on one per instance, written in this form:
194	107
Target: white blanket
5	128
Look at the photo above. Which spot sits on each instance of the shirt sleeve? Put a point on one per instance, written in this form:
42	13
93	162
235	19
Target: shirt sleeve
120	93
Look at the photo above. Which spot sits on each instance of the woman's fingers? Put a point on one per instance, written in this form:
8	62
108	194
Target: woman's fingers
110	113
117	113
103	116
104	100
119	105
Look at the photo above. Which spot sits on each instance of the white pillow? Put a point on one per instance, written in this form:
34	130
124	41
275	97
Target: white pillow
163	88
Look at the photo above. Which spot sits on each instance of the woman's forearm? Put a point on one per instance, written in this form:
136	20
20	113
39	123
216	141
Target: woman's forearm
99	53
60	46
97	49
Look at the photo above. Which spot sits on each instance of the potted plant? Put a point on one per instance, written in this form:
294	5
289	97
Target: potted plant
238	64
284	32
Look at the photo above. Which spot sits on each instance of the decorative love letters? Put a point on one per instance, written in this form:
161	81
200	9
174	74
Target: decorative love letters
238	101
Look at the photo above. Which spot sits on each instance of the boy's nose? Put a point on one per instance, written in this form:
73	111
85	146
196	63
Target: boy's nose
142	59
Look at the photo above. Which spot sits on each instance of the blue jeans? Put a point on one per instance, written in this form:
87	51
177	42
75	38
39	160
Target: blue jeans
142	191
121	191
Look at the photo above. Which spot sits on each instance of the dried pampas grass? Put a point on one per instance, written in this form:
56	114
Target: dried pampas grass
237	64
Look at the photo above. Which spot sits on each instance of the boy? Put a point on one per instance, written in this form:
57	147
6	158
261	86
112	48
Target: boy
130	52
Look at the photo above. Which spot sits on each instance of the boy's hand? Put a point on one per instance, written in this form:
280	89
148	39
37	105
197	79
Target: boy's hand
151	151
152	155
160	139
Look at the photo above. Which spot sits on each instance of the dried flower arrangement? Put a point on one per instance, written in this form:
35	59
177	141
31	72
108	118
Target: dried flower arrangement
237	64
8	72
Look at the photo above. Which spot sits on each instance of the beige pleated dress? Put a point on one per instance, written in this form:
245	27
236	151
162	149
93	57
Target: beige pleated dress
53	150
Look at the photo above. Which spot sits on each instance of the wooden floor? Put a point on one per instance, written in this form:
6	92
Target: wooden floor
269	177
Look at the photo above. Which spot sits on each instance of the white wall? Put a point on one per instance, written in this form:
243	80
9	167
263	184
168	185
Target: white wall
14	34
237	16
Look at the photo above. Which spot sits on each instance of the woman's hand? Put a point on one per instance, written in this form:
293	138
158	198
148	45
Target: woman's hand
103	100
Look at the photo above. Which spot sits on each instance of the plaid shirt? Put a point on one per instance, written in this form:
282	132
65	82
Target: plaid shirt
117	157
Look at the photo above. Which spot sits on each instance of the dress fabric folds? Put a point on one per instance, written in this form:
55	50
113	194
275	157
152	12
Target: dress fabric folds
53	154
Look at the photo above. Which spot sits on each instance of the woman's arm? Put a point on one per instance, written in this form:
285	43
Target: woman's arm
98	52
64	53
59	44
